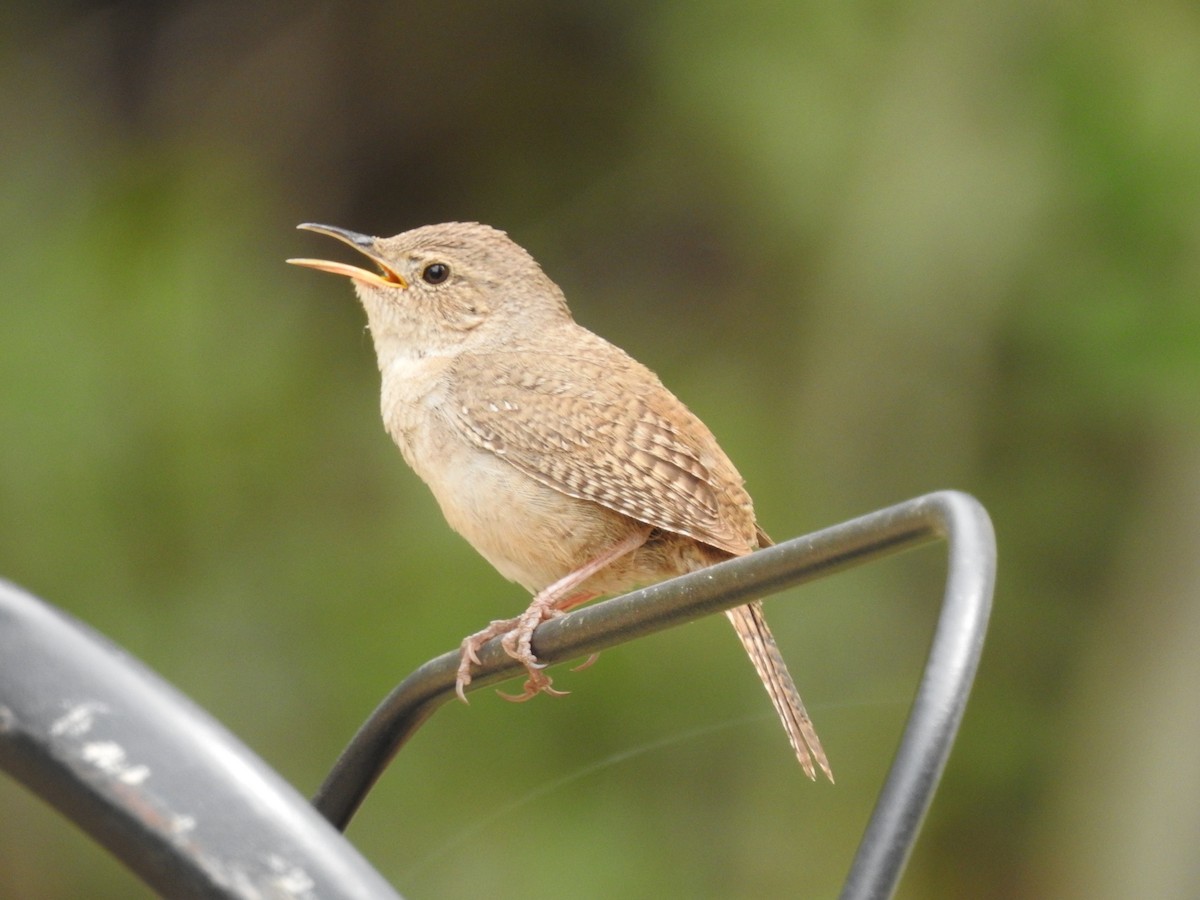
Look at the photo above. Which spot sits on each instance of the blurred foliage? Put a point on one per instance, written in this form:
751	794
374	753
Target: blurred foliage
881	248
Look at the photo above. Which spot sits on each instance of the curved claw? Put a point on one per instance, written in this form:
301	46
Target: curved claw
516	698
587	663
464	678
532	690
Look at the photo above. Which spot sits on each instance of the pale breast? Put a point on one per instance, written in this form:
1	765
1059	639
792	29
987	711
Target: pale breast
531	533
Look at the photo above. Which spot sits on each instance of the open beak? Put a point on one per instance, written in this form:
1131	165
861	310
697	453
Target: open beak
387	277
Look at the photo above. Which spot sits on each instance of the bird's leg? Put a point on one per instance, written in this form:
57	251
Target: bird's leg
549	602
553	601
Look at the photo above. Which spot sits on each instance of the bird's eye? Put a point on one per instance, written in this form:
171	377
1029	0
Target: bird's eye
435	273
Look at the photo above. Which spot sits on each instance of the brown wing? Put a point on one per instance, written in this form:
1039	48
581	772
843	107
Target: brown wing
603	428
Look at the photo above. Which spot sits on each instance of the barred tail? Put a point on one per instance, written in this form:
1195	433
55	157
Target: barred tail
751	627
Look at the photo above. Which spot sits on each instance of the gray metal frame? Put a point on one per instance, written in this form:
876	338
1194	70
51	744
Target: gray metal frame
194	813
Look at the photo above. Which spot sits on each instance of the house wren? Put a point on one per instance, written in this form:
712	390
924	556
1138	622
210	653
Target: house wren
561	459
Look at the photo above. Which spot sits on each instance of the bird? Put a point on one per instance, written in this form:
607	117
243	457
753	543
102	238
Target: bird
563	461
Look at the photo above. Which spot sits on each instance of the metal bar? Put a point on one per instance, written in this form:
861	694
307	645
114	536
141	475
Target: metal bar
152	777
933	721
196	814
941	696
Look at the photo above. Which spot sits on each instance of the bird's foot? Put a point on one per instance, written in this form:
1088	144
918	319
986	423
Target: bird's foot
538	682
517	639
518	643
550	602
469	652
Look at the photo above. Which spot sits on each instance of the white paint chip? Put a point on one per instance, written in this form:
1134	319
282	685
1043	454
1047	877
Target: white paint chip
109	757
79	719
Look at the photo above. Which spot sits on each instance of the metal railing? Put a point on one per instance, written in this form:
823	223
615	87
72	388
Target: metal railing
195	813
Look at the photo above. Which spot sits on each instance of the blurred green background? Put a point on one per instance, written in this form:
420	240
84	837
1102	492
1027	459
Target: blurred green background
881	248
